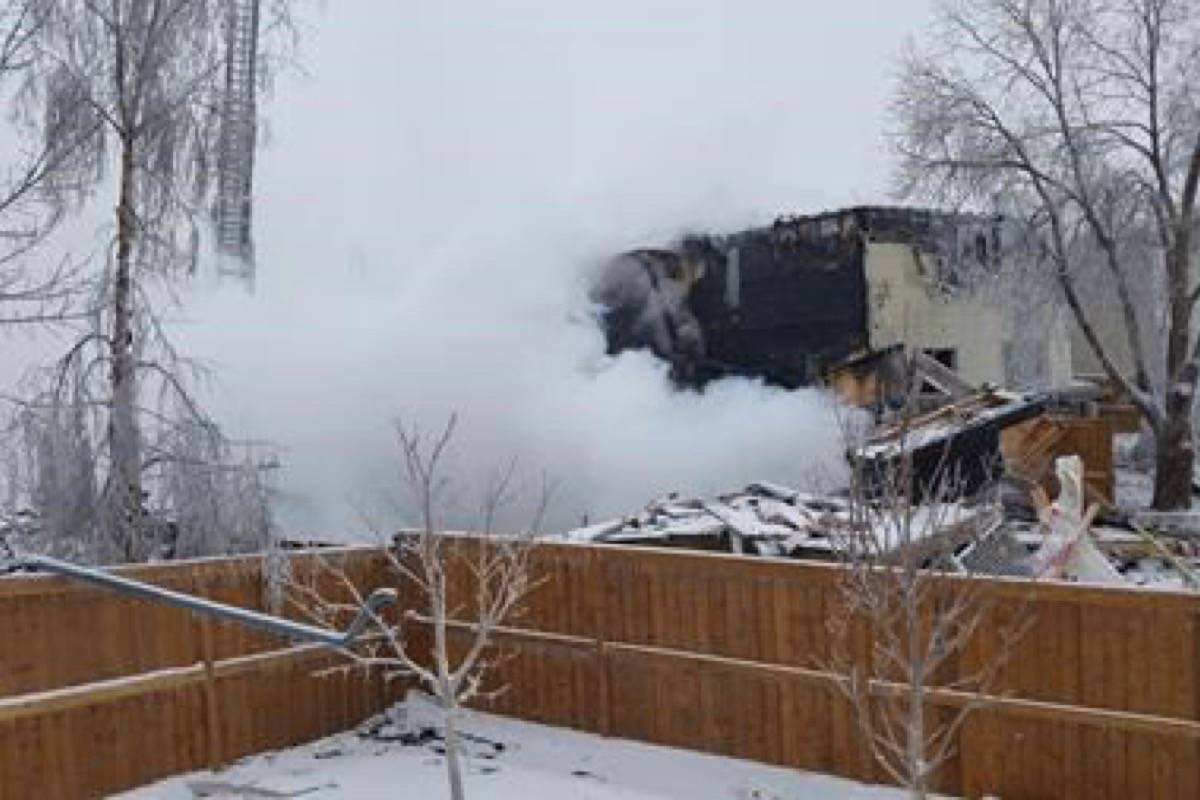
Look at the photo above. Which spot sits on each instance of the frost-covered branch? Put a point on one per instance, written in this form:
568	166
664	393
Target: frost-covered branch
459	589
906	595
1082	119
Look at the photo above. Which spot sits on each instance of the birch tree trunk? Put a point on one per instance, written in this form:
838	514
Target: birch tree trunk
125	482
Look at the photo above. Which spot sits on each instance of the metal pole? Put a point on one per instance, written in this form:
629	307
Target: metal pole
296	631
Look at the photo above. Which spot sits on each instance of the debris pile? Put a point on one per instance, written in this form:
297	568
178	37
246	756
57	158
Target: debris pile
1061	542
1068	548
960	439
766	519
953	443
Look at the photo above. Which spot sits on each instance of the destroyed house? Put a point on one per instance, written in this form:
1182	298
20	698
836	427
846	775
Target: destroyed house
789	301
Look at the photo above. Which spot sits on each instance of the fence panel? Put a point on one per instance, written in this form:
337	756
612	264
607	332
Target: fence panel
101	692
713	652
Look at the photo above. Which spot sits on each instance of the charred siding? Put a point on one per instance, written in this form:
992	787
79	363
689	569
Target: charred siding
782	309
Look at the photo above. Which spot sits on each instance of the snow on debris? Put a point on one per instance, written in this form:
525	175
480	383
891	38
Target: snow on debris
770	520
988	407
764	519
401	755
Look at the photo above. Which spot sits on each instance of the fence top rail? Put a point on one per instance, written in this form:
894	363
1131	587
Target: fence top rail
111	689
766	567
637	557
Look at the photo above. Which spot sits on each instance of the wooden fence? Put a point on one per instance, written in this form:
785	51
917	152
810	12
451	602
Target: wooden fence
720	653
706	651
101	692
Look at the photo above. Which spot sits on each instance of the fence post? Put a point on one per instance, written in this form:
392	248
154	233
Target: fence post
602	659
601	629
212	716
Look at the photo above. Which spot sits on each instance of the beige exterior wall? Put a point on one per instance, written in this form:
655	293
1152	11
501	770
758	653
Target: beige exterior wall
905	306
1061	348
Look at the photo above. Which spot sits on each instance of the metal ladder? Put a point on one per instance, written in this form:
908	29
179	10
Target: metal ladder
235	157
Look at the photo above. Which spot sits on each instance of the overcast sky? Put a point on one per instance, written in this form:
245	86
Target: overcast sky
436	187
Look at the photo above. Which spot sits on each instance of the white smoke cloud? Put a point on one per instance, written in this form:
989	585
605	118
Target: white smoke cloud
325	372
436	191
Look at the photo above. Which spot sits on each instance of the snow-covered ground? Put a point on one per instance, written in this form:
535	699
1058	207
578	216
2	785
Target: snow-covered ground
508	760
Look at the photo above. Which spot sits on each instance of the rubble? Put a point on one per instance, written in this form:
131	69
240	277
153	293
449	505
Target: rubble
971	440
1062	542
770	520
1173	524
1068	549
960	439
764	519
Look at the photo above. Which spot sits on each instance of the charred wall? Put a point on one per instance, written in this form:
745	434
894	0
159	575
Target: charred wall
781	309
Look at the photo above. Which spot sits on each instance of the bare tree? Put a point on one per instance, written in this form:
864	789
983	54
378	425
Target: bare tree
211	495
215	493
461	590
1083	118
32	178
137	82
910	591
51	478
